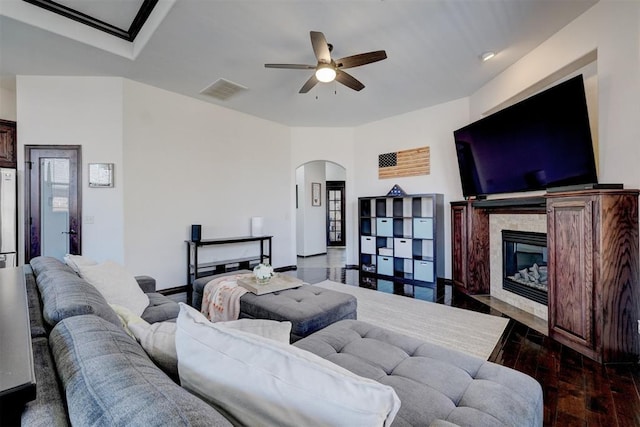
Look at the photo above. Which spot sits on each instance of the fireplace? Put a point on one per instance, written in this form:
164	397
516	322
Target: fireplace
524	264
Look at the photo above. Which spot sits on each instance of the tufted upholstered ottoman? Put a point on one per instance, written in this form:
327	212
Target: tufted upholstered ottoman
308	308
436	385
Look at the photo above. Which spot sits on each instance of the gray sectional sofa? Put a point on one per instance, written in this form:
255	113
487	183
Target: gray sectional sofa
89	371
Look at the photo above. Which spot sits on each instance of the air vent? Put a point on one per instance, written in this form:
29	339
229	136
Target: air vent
223	89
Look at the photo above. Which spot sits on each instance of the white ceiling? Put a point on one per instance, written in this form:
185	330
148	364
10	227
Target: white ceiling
433	49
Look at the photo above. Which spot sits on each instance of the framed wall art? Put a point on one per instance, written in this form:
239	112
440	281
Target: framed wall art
315	194
100	175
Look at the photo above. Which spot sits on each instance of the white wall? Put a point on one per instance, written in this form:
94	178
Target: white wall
314	217
84	111
7	101
178	161
431	127
301	197
335	172
613	28
190	162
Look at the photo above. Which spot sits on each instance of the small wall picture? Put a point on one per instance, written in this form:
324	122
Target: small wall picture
100	175
315	194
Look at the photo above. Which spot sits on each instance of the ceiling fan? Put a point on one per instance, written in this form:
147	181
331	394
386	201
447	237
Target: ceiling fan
328	69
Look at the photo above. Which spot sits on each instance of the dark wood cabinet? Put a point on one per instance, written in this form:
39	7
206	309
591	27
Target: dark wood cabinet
594	303
593	264
470	248
8	144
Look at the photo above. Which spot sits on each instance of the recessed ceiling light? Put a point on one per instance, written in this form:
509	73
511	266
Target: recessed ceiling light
487	56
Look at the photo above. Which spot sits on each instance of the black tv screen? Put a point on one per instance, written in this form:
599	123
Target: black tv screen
541	142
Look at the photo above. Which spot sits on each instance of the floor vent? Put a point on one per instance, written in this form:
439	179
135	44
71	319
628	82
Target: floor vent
223	89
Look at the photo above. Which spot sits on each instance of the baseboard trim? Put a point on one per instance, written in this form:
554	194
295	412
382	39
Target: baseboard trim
445	281
173	291
286	268
352	266
309	256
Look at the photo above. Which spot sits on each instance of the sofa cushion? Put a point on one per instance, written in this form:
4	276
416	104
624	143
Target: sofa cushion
110	381
65	294
146	283
259	381
116	284
433	383
45	263
160	308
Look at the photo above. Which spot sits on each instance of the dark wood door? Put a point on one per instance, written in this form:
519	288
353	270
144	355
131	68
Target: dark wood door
335	213
470	247
53	202
459	245
8	144
571	254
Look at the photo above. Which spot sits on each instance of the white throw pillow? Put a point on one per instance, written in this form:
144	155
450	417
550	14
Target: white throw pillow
77	261
272	329
263	382
116	285
159	341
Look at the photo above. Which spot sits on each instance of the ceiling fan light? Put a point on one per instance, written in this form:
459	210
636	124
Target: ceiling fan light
325	74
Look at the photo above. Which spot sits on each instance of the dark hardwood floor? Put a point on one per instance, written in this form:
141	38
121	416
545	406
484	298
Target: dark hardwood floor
577	391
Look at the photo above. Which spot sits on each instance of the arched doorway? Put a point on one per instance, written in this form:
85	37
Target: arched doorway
320	207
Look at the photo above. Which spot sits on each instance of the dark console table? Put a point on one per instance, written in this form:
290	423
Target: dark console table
17	375
197	269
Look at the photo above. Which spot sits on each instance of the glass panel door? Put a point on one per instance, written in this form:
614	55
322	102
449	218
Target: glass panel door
54	207
335	213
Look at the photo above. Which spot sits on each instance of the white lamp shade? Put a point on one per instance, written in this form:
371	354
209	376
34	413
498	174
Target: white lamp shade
325	74
256	226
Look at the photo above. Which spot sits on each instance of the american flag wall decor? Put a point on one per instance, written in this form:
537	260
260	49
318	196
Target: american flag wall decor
412	162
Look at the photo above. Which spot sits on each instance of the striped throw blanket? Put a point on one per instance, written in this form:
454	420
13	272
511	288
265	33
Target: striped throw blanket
221	298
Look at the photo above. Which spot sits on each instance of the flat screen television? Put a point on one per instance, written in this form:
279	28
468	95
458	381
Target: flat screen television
541	142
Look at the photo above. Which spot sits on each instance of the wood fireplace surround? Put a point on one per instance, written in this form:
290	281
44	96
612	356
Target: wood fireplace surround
594	278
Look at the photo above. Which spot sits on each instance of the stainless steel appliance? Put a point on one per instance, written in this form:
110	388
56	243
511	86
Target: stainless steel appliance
8	218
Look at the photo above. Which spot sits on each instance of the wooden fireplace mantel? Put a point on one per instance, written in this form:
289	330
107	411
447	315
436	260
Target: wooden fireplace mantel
594	278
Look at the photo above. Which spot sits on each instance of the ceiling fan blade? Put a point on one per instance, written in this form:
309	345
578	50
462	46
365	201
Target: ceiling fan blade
291	66
361	59
309	84
348	80
320	47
